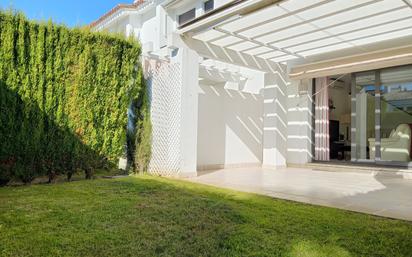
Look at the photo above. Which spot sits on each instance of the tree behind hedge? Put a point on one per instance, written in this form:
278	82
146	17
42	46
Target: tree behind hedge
64	95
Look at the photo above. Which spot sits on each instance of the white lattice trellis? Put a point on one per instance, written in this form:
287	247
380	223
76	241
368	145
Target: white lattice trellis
166	86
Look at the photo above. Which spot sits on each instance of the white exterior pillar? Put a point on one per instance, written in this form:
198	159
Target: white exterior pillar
189	64
161	27
300	122
275	119
362	125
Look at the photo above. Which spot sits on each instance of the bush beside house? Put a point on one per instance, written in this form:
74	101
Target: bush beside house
64	95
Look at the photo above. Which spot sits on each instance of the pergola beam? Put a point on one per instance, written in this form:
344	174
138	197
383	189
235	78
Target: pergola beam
348	32
336	25
248	49
408	2
227	55
267	52
349	41
257	42
283	16
219	75
232	44
316	18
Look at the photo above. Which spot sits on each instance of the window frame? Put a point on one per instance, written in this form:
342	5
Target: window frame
208	9
191	12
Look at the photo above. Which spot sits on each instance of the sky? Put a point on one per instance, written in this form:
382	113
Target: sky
69	12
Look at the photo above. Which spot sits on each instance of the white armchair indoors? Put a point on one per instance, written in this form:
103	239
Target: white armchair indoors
396	147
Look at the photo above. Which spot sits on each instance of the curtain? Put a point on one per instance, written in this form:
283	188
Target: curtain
321	119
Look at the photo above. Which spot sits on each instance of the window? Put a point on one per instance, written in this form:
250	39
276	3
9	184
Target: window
187	16
383	116
208	5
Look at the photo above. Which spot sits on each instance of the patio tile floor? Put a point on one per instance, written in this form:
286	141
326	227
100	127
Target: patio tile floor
373	193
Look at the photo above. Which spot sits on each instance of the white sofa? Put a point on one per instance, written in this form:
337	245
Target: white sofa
396	147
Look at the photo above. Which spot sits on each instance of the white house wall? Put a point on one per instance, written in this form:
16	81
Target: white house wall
211	139
266	123
229	127
119	25
262	119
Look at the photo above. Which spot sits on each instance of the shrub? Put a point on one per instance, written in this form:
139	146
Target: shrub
143	135
64	95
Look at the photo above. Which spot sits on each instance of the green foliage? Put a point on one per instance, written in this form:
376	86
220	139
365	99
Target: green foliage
64	95
143	136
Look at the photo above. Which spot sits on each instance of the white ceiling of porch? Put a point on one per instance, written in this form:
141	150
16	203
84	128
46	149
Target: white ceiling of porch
298	29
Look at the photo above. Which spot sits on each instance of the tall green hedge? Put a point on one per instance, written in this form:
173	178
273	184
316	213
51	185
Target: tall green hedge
64	95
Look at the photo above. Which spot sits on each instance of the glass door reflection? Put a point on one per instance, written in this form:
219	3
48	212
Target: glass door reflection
396	114
365	116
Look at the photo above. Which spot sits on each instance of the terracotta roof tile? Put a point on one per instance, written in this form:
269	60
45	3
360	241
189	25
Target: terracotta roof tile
115	9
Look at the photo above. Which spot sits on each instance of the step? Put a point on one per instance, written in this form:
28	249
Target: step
366	169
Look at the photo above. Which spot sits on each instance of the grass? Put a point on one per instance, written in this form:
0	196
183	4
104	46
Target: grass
146	216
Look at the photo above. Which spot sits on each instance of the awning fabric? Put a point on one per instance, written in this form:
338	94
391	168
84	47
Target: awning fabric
369	61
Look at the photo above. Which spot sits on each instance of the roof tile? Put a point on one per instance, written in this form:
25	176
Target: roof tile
115	9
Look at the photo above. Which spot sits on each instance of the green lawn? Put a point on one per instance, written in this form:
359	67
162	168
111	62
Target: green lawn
148	216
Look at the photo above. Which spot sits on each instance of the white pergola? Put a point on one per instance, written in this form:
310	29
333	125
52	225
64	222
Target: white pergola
295	30
214	72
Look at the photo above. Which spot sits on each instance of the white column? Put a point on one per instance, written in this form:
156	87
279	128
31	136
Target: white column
161	28
189	64
300	122
275	119
362	124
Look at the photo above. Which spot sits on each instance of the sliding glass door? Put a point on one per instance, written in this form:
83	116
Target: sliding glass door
364	111
396	114
382	116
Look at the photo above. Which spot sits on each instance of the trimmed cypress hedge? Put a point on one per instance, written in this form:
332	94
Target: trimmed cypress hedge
64	95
